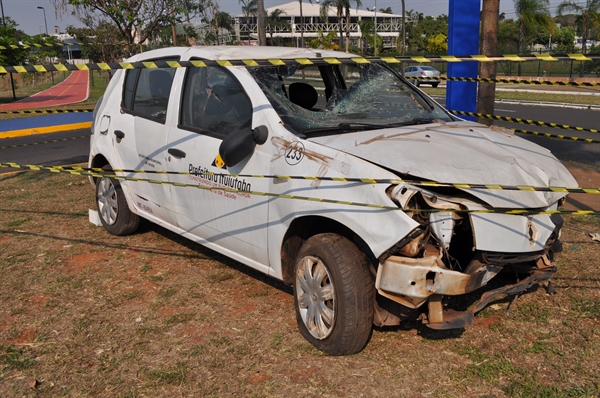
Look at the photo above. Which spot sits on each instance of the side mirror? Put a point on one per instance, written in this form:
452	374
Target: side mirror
240	144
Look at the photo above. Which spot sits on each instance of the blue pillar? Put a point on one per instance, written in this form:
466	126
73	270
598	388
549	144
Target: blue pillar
463	39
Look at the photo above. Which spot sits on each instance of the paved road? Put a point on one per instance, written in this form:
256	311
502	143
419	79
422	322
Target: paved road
563	149
69	148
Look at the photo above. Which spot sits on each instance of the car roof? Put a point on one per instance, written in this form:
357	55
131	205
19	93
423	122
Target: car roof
238	52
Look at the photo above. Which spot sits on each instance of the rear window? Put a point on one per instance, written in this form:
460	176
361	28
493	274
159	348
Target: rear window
147	92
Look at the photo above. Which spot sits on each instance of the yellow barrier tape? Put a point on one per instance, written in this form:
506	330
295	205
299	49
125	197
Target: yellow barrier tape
337	179
46	111
525	121
43	142
304	61
507	81
307	198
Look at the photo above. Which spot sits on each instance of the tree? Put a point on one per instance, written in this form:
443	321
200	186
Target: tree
347	4
100	41
386	10
324	41
533	14
249	8
588	16
302	24
262	29
419	34
437	44
339	7
508	36
136	20
273	21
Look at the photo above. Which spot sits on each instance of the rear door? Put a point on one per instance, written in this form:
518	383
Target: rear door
141	136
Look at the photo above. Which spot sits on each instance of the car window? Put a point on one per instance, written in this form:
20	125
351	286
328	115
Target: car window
427	68
147	92
214	102
376	98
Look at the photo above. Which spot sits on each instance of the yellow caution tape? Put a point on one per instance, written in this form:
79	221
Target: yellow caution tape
506	81
524	121
287	196
300	61
336	179
43	142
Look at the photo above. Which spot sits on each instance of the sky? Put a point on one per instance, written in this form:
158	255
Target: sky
31	19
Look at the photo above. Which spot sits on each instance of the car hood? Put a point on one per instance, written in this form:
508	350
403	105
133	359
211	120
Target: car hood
462	152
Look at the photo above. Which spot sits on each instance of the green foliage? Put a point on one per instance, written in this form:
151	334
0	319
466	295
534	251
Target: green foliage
429	27
325	41
437	44
9	35
508	36
100	41
533	16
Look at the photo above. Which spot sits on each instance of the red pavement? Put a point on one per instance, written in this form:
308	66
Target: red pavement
73	89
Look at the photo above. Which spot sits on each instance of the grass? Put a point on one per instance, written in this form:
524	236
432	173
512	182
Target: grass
90	314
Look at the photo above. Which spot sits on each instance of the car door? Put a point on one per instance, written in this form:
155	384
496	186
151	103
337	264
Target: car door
141	135
214	104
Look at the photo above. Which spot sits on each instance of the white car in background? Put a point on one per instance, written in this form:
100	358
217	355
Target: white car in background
423	71
339	212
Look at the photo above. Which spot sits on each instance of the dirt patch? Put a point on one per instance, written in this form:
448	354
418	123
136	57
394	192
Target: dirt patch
90	314
587	177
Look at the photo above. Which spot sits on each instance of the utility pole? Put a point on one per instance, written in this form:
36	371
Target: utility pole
486	95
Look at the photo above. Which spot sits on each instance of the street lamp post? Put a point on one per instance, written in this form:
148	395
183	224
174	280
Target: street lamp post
45	23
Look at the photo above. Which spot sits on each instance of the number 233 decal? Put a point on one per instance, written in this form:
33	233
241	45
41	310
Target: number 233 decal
295	153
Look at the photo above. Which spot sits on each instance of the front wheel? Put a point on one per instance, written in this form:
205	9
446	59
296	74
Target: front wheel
115	215
333	295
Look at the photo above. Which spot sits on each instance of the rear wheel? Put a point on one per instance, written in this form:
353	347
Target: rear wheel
333	295
115	215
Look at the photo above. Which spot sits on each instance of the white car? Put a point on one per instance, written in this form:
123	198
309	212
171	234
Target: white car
423	71
305	165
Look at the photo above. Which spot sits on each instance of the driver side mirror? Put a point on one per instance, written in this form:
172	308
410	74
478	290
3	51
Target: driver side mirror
240	144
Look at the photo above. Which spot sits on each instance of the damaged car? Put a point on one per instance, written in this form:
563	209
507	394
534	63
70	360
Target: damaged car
331	173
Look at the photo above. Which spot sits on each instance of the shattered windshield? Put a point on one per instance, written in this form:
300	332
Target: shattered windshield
338	98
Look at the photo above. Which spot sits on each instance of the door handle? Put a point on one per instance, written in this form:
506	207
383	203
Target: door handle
120	135
178	153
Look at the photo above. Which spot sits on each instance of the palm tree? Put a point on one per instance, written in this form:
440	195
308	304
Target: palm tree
532	13
386	10
339	7
403	31
347	4
273	21
249	9
302	24
262	32
588	16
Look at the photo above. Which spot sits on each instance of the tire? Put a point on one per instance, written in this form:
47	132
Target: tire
434	85
334	295
115	215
